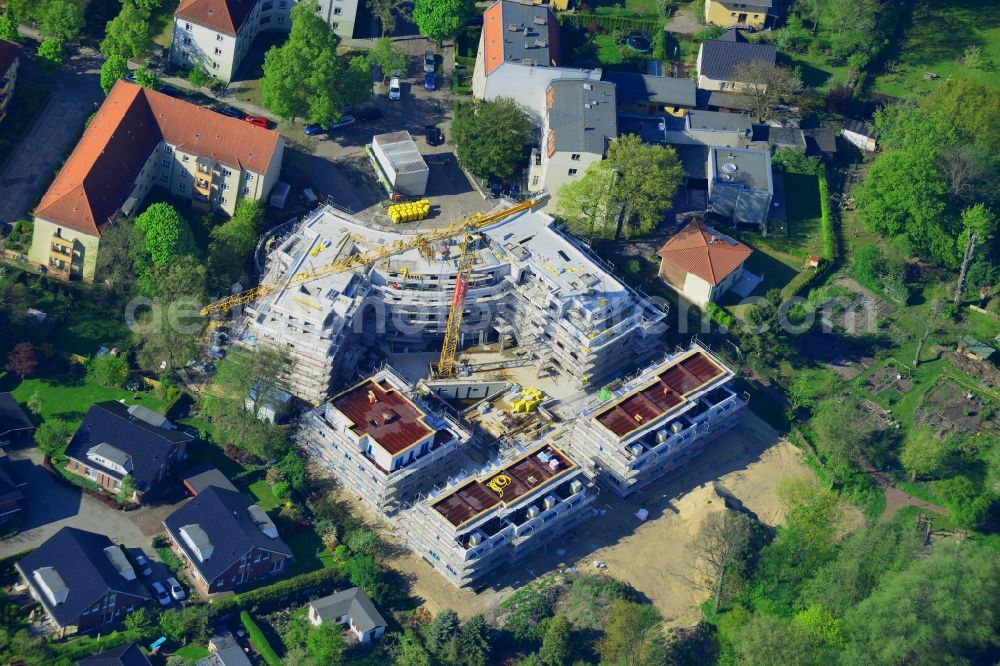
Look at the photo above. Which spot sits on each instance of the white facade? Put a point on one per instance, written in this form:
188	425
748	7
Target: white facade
525	84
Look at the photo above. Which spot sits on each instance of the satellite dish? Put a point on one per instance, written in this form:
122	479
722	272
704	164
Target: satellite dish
729	167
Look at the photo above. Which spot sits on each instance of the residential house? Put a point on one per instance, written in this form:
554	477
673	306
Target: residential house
10	61
11	492
15	424
655	422
205	476
123	655
116	440
82	580
740	185
518	56
138	140
216	34
719	60
227	539
755	14
580	119
350	608
382	441
701	264
652	95
225	651
860	134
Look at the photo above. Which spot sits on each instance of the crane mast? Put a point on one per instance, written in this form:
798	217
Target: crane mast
453	330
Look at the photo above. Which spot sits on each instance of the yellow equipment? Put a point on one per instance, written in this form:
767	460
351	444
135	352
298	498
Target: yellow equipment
446	362
410	211
529	400
420	241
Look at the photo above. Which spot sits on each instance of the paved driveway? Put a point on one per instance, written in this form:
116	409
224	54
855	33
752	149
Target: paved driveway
52	505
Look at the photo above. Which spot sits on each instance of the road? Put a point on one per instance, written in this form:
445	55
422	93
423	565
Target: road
75	92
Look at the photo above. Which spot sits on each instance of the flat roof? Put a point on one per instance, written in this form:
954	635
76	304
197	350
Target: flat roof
523	476
582	115
665	90
401	152
718	121
381	411
745	166
666	391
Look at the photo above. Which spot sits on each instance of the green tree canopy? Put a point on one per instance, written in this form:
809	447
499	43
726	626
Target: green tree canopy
109	370
147	78
924	453
443	628
631	635
51	54
9	27
557	645
167	334
52	436
113	70
325	645
439	20
492	137
474	642
127	34
61	20
165	234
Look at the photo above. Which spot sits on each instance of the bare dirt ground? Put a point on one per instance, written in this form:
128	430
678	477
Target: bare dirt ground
746	463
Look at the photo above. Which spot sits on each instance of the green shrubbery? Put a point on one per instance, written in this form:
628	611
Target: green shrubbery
259	640
826	216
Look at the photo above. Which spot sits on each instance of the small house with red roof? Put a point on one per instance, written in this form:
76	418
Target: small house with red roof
701	264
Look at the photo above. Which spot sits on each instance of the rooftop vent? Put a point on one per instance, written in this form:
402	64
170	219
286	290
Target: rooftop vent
588	86
197	540
52	585
538	20
529	61
262	521
729	167
513	27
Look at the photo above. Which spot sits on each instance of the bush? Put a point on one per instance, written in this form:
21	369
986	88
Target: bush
281	490
272	596
259	641
108	370
720	316
826	216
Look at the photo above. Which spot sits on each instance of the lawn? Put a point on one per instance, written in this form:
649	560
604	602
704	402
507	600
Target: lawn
70	398
608	52
192	652
642	7
817	72
83	326
162	23
305	544
249	91
936	41
25	107
262	494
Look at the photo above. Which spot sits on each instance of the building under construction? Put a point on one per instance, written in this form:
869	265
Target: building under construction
383	442
500	515
655	422
529	285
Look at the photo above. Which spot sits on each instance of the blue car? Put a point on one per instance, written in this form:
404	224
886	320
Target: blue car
430	82
315	128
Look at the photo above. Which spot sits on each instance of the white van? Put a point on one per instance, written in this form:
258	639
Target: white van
394	88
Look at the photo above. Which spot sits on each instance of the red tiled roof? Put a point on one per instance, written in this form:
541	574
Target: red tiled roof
392	419
101	170
667	391
705	252
8	52
225	16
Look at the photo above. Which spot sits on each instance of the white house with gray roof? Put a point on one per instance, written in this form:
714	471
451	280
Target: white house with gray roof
580	119
740	184
352	609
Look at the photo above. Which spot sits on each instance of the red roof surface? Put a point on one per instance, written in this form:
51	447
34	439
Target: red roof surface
705	252
667	391
392	419
506	486
225	16
8	52
101	170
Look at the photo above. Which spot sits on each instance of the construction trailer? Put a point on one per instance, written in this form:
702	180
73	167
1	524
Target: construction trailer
383	442
397	156
655	422
512	507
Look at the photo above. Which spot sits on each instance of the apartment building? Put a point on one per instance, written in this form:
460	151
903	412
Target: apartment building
655	422
580	119
141	139
530	285
500	515
383	442
518	56
216	34
10	61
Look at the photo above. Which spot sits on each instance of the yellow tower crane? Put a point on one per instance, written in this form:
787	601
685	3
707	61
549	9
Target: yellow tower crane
424	242
449	350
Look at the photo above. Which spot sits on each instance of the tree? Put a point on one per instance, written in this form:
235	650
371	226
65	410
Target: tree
114	69
147	78
973	108
60	21
303	77
388	58
770	640
979	224
139	621
363	572
557	645
197	77
22	360
357	82
168	330
411	652
474	642
388	12
940	610
492	136
969	170
439	20
127	34
633	193
52	435
325	645
115	266
443	628
923	454
191	623
34	403
166	235
50	55
765	85
842	432
9	27
631	635
108	370
232	243
718	549
127	490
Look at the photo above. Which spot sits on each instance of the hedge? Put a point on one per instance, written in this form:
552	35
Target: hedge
829	238
263	597
611	22
720	316
259	640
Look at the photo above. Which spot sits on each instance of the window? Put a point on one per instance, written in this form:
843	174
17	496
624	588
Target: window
247	190
118	485
575	157
335	25
225	187
187	40
218	51
336	11
572	172
280	19
181	187
185	158
249	176
218	37
91	473
224	200
165	163
187	26
277	565
215	65
168	149
282	4
227	173
163	178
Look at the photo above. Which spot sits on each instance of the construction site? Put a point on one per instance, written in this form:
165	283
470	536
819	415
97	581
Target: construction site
489	374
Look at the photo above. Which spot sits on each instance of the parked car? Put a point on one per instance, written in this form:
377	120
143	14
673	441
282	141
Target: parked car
345	121
368	114
394	88
160	593
314	129
430	82
259	121
142	564
429	62
434	136
176	591
231	112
